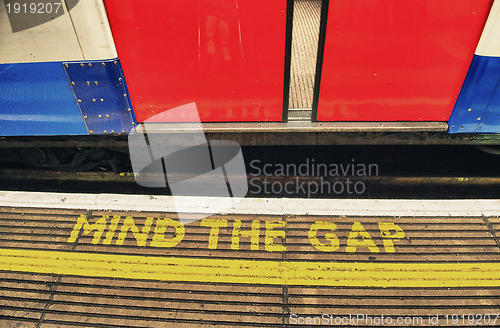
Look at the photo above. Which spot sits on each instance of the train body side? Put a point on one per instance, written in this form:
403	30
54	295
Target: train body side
100	67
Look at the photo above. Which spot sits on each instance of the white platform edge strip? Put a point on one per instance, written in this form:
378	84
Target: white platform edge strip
263	206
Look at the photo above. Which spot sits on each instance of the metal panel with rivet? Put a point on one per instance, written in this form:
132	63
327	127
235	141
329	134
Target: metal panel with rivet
102	96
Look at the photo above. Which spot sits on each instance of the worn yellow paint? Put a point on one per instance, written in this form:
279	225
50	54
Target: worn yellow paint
82	222
140	237
271	234
385	230
159	239
357	230
112	228
105	229
333	240
252	271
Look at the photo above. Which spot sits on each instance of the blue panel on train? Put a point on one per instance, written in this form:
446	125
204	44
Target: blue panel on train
36	99
490	123
477	109
102	95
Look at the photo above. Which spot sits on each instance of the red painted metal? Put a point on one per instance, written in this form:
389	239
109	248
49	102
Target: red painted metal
397	60
225	55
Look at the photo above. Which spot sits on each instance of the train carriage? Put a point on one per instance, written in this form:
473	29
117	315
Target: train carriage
86	73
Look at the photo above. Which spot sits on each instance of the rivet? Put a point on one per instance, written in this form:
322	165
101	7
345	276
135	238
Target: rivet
123	131
115	62
470	109
129	110
479	119
73	83
120	79
100	116
96	83
88	83
102	99
103	64
66	65
82	64
112	131
94	100
91	131
133	123
79	100
85	117
90	64
105	131
124	94
107	116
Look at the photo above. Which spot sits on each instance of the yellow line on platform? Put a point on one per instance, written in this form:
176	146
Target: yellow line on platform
252	272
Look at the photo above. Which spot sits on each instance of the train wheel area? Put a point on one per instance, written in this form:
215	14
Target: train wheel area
109	260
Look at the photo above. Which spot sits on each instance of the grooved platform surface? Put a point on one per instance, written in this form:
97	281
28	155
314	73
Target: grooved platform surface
89	268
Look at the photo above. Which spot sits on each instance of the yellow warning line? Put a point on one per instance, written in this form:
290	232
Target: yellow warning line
252	272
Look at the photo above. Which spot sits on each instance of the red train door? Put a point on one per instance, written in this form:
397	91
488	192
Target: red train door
228	56
396	60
